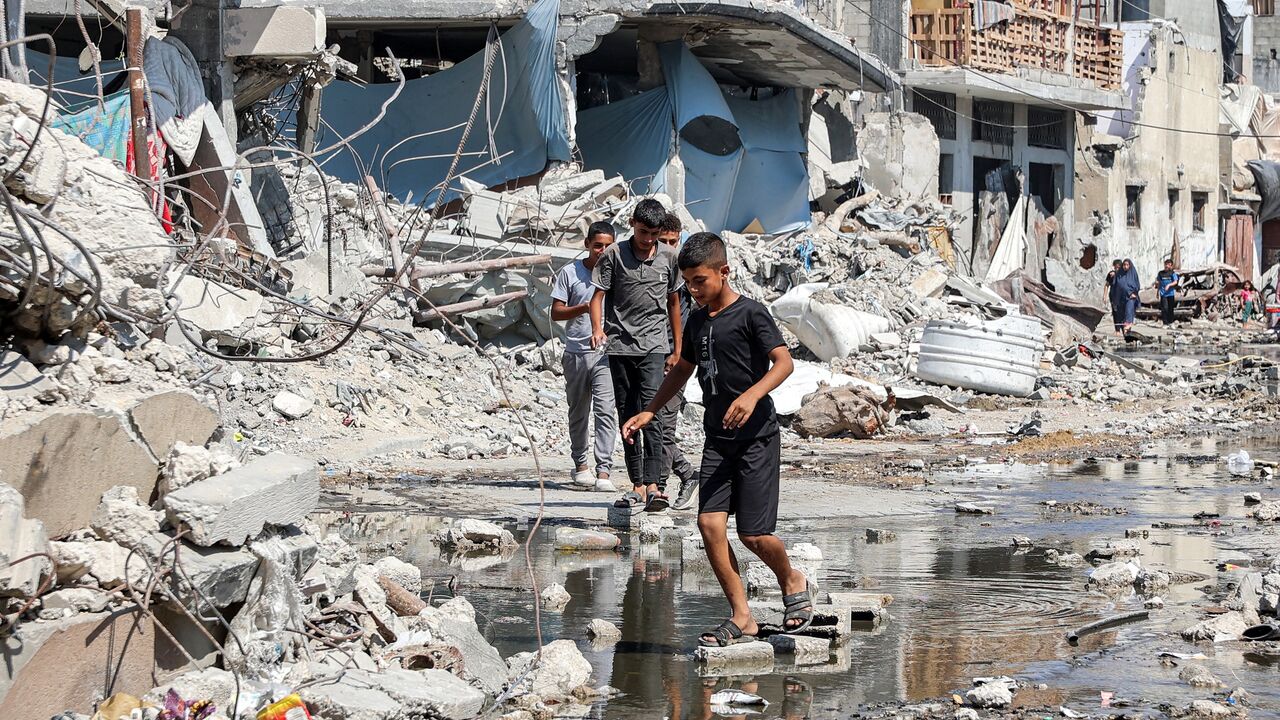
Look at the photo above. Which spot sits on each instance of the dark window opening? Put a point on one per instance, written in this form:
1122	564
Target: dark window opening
1047	128
946	177
1173	205
1089	257
1043	183
1133	206
940	108
993	121
1199	200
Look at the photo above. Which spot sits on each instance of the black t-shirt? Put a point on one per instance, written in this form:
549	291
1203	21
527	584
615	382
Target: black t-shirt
731	352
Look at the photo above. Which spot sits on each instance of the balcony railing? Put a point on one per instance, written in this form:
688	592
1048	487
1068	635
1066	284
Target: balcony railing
1039	36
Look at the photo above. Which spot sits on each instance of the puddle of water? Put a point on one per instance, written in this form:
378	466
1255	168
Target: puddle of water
967	604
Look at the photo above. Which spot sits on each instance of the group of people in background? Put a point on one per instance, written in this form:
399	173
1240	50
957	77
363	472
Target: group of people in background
1123	289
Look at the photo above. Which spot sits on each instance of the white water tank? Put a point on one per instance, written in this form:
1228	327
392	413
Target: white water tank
998	356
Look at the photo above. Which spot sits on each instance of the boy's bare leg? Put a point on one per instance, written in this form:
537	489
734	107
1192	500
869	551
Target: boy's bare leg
715	539
773	552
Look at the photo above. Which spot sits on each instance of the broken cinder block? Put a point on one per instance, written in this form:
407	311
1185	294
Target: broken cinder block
231	508
747	657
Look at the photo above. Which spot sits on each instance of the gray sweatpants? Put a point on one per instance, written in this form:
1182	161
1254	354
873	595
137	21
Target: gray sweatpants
672	459
589	389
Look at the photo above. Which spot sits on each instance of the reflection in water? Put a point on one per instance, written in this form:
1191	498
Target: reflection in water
966	603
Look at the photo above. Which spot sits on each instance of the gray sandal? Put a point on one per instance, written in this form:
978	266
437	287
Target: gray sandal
798	606
630	500
727	634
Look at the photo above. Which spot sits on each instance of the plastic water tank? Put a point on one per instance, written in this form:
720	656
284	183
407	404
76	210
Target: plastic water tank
1000	356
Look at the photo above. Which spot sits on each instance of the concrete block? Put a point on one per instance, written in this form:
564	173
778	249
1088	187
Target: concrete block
20	379
393	694
577	539
273	32
57	459
66	664
276	489
747	657
19	537
804	650
167	418
633	519
291	405
222	575
834	622
864	607
213	307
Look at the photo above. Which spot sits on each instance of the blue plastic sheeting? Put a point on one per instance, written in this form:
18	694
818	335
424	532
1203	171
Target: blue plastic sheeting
631	138
529	125
743	159
104	129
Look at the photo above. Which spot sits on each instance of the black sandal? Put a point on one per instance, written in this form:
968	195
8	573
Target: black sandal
658	502
630	500
798	606
727	634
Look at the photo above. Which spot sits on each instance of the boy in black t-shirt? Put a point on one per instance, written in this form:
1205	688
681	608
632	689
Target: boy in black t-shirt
740	357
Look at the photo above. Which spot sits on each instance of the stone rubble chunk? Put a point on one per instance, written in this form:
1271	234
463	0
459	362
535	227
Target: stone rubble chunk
185	464
276	489
402	573
290	405
454	624
1113	576
393	694
561	671
603	631
968	508
803	650
877	536
470	535
568	538
105	562
1268	512
1197	675
989	695
752	656
20	536
555	597
58	461
213	684
168	418
1229	625
19	379
123	519
76	599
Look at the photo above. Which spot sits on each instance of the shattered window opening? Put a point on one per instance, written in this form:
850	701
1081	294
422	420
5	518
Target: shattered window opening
993	121
940	109
1198	202
1047	128
1133	206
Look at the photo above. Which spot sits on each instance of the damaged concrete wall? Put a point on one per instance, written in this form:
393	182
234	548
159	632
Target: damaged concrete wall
899	154
1176	86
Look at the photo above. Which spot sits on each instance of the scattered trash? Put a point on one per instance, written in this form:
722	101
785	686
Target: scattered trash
1074	636
737	697
1239	463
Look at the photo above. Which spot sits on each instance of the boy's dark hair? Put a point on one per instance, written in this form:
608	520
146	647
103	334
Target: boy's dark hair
703	249
650	213
601	227
1116	262
671	223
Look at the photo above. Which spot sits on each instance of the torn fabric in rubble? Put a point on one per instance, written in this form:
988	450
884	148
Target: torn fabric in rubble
414	144
177	95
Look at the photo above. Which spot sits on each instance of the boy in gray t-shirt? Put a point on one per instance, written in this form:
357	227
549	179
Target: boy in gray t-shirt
587	382
634	306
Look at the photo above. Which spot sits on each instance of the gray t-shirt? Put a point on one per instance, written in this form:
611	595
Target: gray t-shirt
635	308
572	286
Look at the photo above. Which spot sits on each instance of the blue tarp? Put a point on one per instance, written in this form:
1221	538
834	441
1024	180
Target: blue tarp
743	159
529	124
104	129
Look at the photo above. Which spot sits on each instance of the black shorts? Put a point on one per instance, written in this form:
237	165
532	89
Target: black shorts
741	478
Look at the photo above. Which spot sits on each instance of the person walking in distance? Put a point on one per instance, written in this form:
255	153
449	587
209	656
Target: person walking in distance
635	299
1167	281
739	354
588	383
673	460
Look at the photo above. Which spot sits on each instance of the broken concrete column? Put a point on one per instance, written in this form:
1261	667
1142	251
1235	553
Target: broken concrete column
20	537
276	489
62	461
167	418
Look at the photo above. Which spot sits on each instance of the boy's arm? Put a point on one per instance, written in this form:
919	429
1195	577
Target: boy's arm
673	316
741	410
675	380
598	338
561	312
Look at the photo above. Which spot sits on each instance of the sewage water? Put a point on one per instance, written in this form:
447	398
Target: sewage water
966	602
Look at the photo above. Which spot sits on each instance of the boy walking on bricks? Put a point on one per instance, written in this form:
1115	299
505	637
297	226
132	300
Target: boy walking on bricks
587	382
740	357
674	460
634	304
